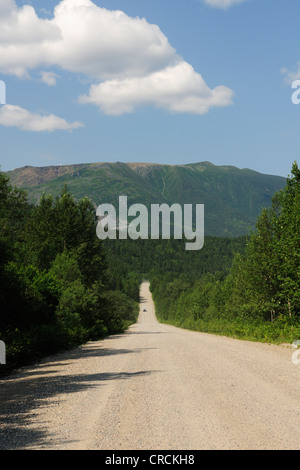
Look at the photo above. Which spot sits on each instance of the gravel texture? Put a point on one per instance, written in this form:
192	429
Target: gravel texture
155	387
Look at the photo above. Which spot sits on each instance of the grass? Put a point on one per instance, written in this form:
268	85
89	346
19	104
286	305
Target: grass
277	332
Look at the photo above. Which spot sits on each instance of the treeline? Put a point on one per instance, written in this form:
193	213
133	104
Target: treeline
56	289
259	298
151	259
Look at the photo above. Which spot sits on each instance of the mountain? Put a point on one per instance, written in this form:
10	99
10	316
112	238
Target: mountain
233	197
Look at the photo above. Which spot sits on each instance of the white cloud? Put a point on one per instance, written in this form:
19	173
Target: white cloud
6	7
49	78
223	4
130	60
14	116
290	75
23	38
177	88
81	38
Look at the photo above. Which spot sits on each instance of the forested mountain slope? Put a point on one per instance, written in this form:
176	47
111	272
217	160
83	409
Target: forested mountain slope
233	198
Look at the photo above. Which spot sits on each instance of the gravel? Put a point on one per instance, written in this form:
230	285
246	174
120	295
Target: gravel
155	387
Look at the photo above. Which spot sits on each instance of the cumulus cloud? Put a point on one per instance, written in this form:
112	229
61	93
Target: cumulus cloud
223	4
82	38
15	116
130	61
177	88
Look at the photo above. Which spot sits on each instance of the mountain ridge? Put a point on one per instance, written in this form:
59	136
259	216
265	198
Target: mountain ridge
233	197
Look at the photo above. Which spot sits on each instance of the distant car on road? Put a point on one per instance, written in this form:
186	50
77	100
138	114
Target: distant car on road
144	310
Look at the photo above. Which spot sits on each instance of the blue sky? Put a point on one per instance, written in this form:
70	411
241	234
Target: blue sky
164	81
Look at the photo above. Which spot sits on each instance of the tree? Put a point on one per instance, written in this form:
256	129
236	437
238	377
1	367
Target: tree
267	278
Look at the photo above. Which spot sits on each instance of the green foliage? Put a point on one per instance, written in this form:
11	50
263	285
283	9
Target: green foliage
55	291
169	257
123	311
259	298
268	276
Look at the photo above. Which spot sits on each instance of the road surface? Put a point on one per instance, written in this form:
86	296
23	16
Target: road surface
156	387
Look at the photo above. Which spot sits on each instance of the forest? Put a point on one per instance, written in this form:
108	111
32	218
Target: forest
61	286
55	291
259	297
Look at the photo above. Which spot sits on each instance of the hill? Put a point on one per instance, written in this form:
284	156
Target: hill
233	197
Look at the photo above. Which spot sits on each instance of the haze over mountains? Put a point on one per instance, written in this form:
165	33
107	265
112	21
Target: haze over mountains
233	197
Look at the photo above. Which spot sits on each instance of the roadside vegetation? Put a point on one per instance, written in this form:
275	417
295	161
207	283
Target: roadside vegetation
259	298
54	277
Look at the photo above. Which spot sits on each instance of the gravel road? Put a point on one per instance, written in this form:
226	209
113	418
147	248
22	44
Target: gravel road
156	387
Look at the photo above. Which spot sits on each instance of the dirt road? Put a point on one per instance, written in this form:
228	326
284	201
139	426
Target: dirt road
155	387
